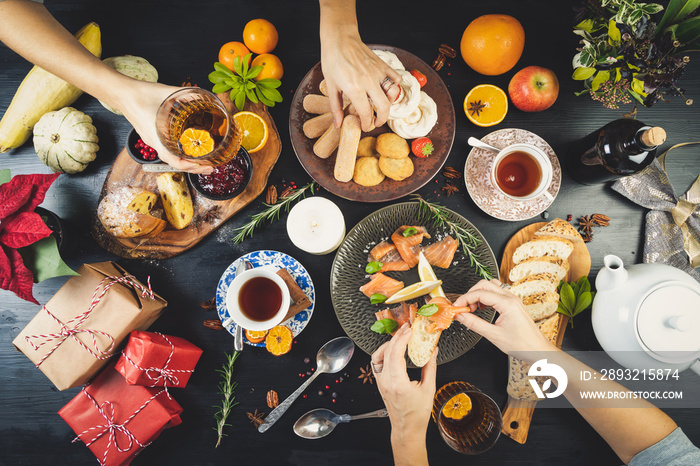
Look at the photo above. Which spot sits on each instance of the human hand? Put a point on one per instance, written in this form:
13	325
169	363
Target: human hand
409	403
139	104
351	68
514	332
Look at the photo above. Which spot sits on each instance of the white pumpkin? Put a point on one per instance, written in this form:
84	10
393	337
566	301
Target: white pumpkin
66	140
133	67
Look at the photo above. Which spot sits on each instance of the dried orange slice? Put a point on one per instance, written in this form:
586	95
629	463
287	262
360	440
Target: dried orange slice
457	407
256	336
279	340
196	142
253	129
486	105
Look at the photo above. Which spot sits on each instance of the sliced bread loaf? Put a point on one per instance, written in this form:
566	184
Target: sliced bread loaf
422	343
551	265
552	246
541	305
533	284
550	327
560	228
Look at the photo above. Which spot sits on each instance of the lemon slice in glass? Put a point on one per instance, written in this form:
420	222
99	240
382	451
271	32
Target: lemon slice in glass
457	407
413	291
426	273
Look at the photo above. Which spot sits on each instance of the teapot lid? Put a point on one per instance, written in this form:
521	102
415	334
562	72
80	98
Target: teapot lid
668	322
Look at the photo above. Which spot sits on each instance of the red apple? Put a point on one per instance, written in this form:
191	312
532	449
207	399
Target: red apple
533	89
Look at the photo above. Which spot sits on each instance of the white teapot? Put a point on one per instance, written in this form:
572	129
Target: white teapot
647	316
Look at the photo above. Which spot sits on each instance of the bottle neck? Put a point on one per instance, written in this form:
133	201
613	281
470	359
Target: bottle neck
638	144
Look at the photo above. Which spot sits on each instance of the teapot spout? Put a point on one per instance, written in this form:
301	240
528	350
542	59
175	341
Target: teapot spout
612	275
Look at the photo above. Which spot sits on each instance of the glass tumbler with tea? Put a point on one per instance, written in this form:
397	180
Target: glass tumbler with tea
193	124
468	420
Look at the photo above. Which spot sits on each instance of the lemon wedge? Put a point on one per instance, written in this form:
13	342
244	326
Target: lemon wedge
413	291
425	272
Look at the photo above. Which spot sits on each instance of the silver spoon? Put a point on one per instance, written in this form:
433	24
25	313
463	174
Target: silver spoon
474	142
331	358
238	337
320	422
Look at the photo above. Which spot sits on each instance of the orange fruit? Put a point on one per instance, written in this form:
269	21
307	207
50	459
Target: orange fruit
279	340
196	142
260	36
271	66
486	105
253	129
255	336
230	50
457	407
493	44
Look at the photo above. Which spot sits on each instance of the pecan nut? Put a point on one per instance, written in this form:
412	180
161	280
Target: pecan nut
600	219
272	399
214	324
452	173
447	51
271	195
287	192
439	62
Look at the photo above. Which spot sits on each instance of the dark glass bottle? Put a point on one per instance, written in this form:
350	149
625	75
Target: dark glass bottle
620	148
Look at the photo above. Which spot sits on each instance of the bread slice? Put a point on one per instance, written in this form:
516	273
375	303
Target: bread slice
553	246
560	228
533	284
545	264
422	343
124	213
176	197
541	305
550	327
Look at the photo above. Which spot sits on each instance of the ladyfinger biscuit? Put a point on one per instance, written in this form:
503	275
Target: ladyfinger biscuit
326	144
353	111
317	104
323	87
350	133
316	126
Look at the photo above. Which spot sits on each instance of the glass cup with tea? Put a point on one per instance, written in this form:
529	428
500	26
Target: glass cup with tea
522	172
194	124
258	299
468	420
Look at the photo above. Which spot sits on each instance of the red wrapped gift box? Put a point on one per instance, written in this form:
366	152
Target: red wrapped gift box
117	420
157	360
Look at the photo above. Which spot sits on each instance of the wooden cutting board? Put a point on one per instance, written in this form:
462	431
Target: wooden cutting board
208	215
517	414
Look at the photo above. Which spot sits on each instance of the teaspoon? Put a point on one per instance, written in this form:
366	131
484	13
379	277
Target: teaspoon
320	422
474	142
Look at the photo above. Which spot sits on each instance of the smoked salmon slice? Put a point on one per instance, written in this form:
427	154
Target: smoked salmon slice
380	283
441	253
408	247
380	250
386	253
443	318
401	314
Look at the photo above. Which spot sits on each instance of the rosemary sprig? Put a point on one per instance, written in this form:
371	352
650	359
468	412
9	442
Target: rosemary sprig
226	388
272	212
439	216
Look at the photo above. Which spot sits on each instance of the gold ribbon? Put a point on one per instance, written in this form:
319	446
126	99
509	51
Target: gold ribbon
684	209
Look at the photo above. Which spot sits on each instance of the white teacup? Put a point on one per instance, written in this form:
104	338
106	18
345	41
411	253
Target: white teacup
256	304
535	159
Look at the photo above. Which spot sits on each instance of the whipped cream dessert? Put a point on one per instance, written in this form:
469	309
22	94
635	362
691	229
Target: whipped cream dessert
409	99
390	59
420	122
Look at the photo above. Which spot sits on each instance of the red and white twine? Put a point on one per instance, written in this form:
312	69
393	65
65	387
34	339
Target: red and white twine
71	332
156	374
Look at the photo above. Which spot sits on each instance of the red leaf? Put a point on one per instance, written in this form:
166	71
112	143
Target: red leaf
13	197
20	280
23	229
41	184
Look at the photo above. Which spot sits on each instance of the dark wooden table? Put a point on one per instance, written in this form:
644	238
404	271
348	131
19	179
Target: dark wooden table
182	40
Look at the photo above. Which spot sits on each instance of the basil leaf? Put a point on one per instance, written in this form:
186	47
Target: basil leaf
377	298
373	267
216	77
385	326
254	71
427	310
220	87
250	85
218	66
562	310
231	82
240	100
584	284
251	96
584	300
270	83
567	297
246	64
410	231
271	94
237	65
264	99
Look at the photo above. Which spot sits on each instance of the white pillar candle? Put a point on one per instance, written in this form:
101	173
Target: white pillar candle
316	225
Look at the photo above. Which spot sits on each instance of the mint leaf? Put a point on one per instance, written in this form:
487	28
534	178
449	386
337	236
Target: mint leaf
427	310
44	260
377	298
385	326
373	267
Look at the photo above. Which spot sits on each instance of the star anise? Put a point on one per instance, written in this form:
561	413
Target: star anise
475	108
366	375
209	304
256	418
211	214
450	189
585	223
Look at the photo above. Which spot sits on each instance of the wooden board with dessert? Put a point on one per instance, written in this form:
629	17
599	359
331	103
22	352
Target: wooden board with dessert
163	239
518	412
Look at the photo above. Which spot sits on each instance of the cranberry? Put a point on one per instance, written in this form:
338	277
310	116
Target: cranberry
147	152
226	178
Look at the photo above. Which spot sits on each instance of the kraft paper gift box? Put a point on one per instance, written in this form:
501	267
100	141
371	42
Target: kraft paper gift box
157	360
117	420
83	324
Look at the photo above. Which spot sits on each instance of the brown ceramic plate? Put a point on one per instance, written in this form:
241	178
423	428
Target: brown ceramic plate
321	170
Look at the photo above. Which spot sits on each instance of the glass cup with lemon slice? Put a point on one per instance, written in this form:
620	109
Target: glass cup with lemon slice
469	421
193	124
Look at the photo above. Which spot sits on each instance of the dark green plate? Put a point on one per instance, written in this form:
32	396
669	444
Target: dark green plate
354	311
